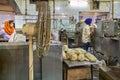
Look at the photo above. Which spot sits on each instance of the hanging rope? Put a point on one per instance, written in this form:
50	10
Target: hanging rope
44	29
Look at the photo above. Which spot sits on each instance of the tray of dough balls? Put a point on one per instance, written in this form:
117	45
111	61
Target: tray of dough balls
78	56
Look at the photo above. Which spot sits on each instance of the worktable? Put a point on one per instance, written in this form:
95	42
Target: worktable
67	64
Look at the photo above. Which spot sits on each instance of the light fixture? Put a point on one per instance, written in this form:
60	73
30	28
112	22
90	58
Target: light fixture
79	3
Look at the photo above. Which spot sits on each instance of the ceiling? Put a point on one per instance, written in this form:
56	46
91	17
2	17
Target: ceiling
9	7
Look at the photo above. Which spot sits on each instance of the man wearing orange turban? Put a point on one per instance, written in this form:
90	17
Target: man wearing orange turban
7	30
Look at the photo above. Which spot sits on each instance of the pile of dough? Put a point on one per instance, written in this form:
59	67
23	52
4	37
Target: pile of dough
90	57
65	48
77	54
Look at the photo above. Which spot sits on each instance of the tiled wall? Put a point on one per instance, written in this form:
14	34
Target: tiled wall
22	19
66	9
116	10
29	9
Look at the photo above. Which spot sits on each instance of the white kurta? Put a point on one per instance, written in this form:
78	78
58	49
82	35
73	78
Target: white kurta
86	34
5	35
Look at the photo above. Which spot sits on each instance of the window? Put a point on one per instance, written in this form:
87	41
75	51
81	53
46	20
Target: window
95	4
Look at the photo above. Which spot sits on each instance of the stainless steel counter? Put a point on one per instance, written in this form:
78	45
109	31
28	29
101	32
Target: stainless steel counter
52	64
14	64
13	61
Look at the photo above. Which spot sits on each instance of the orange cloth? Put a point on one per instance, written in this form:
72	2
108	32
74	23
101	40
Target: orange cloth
8	29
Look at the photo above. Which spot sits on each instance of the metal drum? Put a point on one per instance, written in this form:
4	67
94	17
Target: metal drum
98	42
113	47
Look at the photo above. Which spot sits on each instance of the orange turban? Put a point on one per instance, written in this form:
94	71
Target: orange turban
8	29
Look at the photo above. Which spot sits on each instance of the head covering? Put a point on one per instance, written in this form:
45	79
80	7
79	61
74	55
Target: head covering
88	21
8	29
